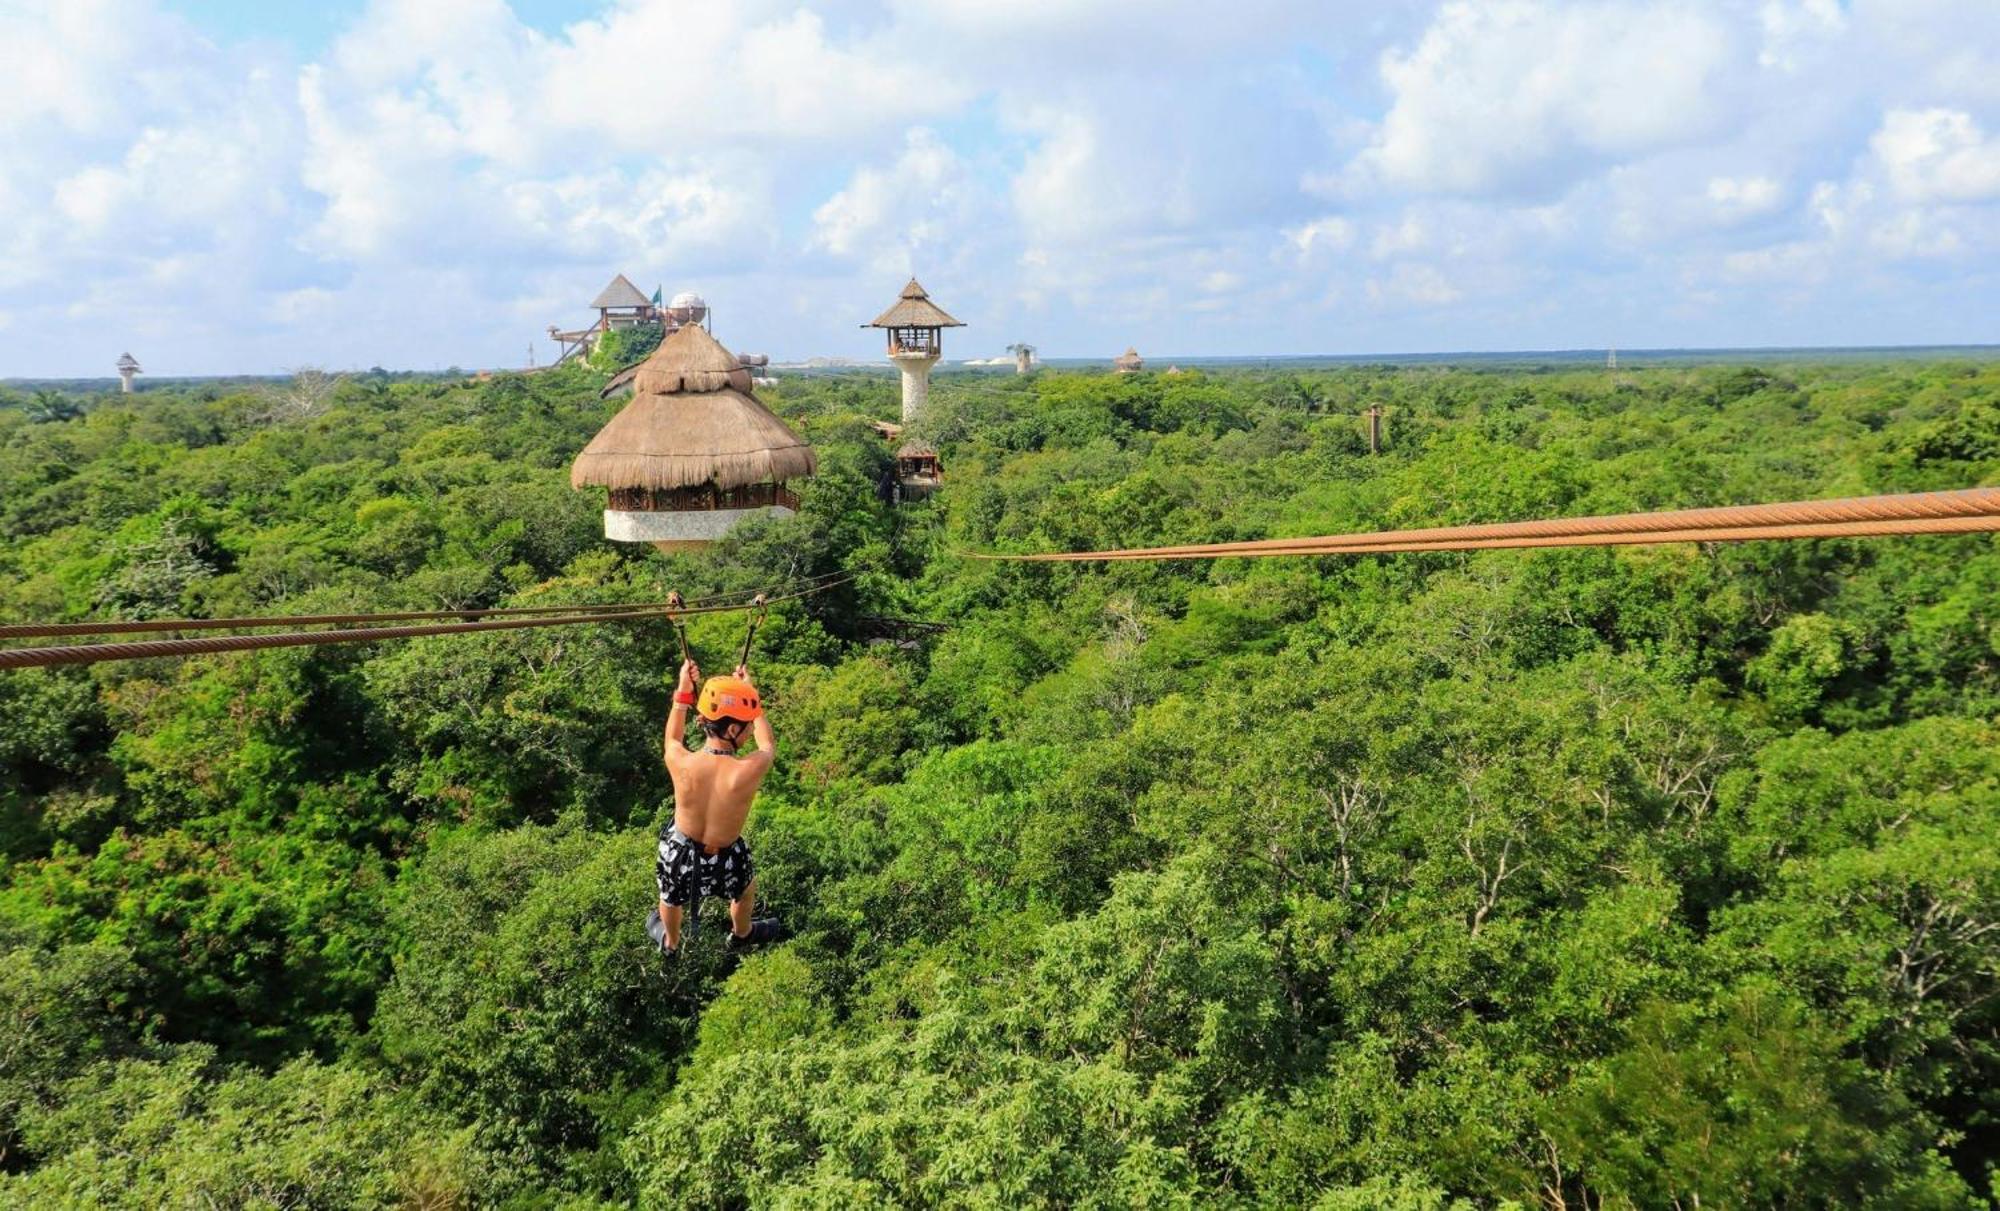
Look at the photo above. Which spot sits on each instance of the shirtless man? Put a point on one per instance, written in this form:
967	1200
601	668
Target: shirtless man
704	853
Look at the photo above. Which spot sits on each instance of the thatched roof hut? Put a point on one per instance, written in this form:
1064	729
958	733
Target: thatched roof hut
1128	362
693	421
620	293
914	309
918	471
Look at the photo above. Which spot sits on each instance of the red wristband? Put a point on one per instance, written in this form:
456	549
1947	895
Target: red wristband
683	698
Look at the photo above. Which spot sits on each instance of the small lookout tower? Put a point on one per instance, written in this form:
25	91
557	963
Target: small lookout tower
1024	357
620	305
918	472
1128	362
694	452
914	326
127	367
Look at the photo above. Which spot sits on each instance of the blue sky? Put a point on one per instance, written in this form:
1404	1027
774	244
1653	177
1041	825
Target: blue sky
226	186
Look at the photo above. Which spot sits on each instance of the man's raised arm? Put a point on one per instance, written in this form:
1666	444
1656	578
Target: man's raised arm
760	731
677	719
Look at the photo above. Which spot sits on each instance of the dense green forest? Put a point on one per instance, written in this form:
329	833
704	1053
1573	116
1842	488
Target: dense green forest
1638	877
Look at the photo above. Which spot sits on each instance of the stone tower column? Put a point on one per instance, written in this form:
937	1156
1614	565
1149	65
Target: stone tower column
916	368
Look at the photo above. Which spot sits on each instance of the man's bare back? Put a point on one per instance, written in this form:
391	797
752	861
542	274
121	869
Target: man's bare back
713	791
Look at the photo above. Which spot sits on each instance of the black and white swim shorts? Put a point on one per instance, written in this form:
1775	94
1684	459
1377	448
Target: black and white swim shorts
684	872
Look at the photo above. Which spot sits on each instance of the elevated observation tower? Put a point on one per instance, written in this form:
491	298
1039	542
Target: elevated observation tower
915	326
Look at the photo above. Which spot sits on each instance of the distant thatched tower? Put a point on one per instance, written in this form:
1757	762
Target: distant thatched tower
915	325
620	305
1024	357
694	452
1128	362
127	367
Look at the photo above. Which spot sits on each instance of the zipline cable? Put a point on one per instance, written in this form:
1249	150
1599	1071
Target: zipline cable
252	622
1857	529
151	625
23	658
1971	510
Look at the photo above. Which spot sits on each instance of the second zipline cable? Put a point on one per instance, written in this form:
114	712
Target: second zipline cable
24	658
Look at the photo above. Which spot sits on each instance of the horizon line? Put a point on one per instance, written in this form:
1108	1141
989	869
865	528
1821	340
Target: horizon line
841	362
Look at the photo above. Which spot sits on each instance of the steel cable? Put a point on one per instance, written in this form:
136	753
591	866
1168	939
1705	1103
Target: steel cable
253	622
1859	529
1965	511
20	658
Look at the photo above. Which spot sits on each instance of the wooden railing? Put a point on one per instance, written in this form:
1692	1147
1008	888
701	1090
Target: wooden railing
703	498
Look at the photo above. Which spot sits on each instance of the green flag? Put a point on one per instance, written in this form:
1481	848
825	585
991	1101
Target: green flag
656	296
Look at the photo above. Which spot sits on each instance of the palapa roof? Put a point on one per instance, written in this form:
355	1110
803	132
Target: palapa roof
620	293
1128	358
914	309
127	362
692	421
916	449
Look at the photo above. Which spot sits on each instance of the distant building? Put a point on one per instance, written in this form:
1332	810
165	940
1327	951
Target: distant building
915	326
918	472
621	305
127	367
1128	362
1024	357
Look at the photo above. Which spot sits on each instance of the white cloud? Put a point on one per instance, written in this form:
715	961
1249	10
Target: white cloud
1796	29
1524	96
1737	197
1937	155
1942	51
1922	193
902	217
1413	285
1327	234
1405	235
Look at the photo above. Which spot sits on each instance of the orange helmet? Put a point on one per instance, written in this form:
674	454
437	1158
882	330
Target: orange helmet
729	698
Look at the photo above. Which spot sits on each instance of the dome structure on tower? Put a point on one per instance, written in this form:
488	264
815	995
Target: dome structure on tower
687	307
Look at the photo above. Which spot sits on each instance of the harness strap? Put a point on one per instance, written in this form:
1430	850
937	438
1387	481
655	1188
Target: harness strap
756	617
674	602
688	886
